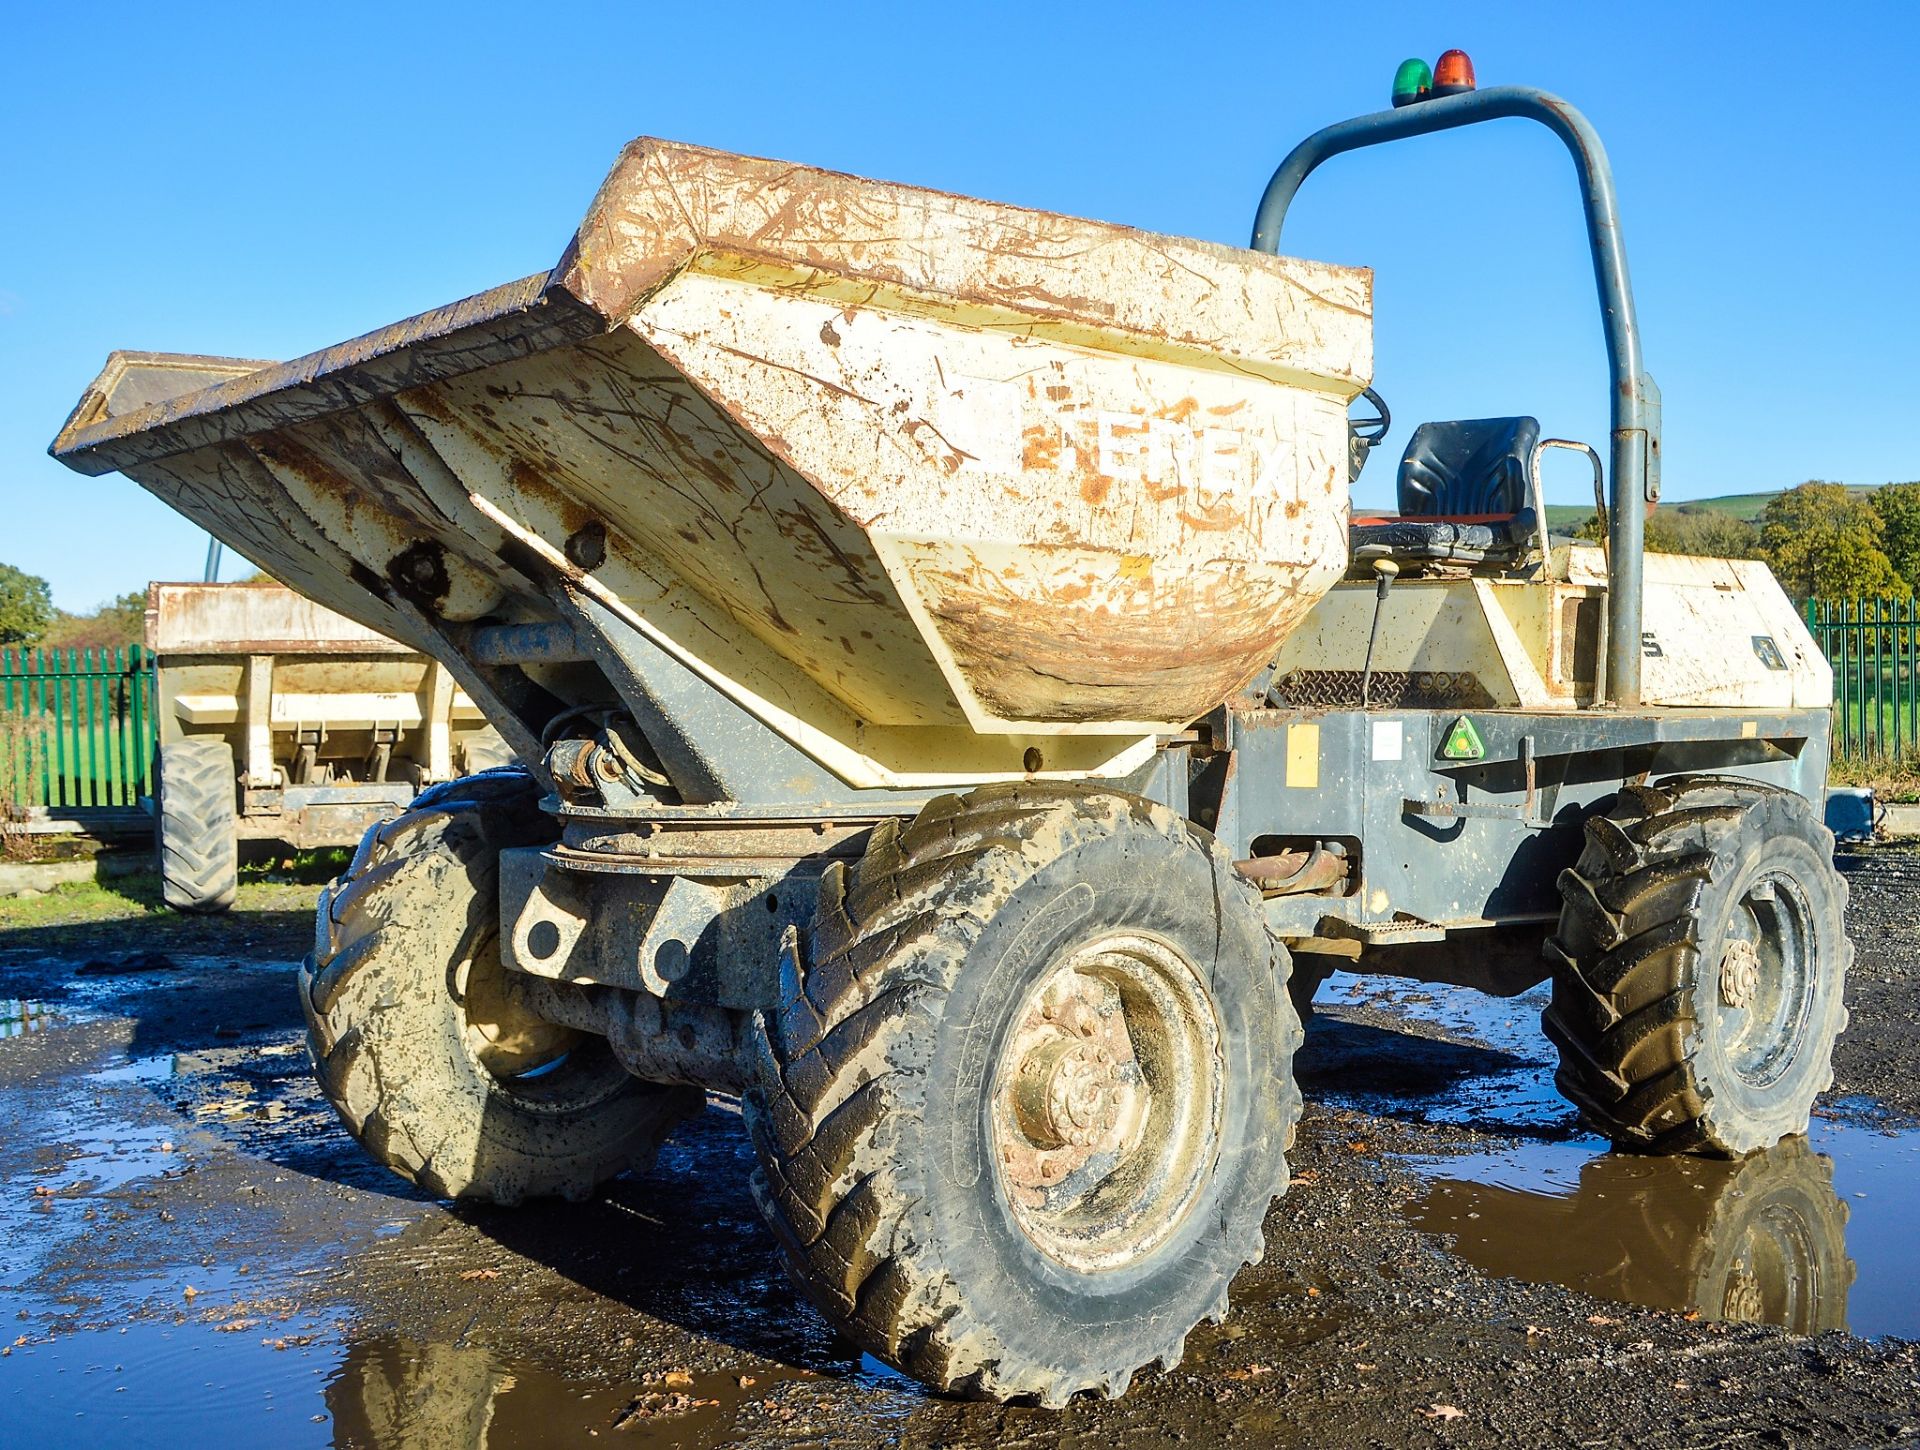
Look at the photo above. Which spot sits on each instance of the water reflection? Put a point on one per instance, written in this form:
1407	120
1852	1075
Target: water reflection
1762	1240
392	1391
19	1017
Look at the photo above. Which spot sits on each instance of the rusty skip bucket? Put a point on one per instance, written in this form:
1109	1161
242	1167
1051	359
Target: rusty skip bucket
938	489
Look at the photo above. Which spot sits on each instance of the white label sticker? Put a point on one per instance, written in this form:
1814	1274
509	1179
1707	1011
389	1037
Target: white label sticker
1386	739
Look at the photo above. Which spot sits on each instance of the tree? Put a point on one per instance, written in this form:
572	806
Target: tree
1691	529
1898	505
26	606
114	625
1823	542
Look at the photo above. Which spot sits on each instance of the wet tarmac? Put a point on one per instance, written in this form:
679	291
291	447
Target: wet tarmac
192	1252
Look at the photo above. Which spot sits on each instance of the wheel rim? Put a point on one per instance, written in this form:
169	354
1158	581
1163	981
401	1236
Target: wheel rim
524	1053
1107	1104
1763	985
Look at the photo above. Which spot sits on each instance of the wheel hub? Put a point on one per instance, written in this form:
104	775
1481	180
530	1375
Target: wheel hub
1739	973
1106	1107
1077	1085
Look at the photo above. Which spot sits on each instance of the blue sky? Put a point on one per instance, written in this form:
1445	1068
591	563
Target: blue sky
264	180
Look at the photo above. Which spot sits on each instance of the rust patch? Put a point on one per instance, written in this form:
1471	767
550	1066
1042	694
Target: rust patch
1218	521
1041	447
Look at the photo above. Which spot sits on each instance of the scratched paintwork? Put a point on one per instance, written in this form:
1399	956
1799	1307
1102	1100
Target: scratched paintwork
928	484
1703	623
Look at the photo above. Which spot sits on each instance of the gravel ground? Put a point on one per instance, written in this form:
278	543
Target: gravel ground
1877	1053
162	1136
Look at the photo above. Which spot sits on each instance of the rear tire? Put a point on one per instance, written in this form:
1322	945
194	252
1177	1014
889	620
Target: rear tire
1022	1111
1699	967
196	824
422	1041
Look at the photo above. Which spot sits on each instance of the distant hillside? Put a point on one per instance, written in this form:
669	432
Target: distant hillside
1747	506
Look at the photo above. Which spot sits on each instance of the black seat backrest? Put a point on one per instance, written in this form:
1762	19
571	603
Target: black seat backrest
1475	466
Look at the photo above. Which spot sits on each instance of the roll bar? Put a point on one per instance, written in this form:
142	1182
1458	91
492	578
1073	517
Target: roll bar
1635	474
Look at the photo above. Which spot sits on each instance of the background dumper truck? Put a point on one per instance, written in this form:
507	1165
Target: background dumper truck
281	720
955	699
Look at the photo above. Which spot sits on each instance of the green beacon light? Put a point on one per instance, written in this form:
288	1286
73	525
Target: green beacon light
1412	82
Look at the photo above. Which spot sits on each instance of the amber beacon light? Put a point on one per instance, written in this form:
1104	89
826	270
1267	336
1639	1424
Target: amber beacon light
1416	81
1453	75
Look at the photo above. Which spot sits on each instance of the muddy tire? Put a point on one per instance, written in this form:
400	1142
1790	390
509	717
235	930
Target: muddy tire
422	1042
1698	968
1022	1110
196	827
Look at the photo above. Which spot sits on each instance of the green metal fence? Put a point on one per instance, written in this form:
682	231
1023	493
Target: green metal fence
1874	648
76	727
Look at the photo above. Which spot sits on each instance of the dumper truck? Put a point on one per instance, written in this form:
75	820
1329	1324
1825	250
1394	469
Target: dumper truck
955	699
280	720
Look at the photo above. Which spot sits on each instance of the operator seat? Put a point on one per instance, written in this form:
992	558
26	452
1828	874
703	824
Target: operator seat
1464	495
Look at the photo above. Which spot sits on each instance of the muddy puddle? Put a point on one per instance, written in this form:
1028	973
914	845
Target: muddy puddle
187	1383
115	1344
294	1384
1815	1234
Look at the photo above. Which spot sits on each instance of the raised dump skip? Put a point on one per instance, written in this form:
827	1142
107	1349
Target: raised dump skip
927	484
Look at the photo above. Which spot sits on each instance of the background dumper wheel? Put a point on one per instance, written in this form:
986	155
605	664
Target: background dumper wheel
196	829
1022	1111
1698	968
421	1040
485	749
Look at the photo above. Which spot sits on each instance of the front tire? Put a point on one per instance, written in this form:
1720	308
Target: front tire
1698	968
421	1039
1022	1111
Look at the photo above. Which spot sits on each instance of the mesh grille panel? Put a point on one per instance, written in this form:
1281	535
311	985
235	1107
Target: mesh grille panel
1392	690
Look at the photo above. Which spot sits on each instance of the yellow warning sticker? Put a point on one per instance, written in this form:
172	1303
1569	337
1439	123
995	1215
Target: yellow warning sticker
1303	756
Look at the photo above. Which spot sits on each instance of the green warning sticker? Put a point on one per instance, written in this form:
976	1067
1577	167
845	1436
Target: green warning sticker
1463	741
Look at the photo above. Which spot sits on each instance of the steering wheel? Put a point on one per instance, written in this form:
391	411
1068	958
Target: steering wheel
1364	434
